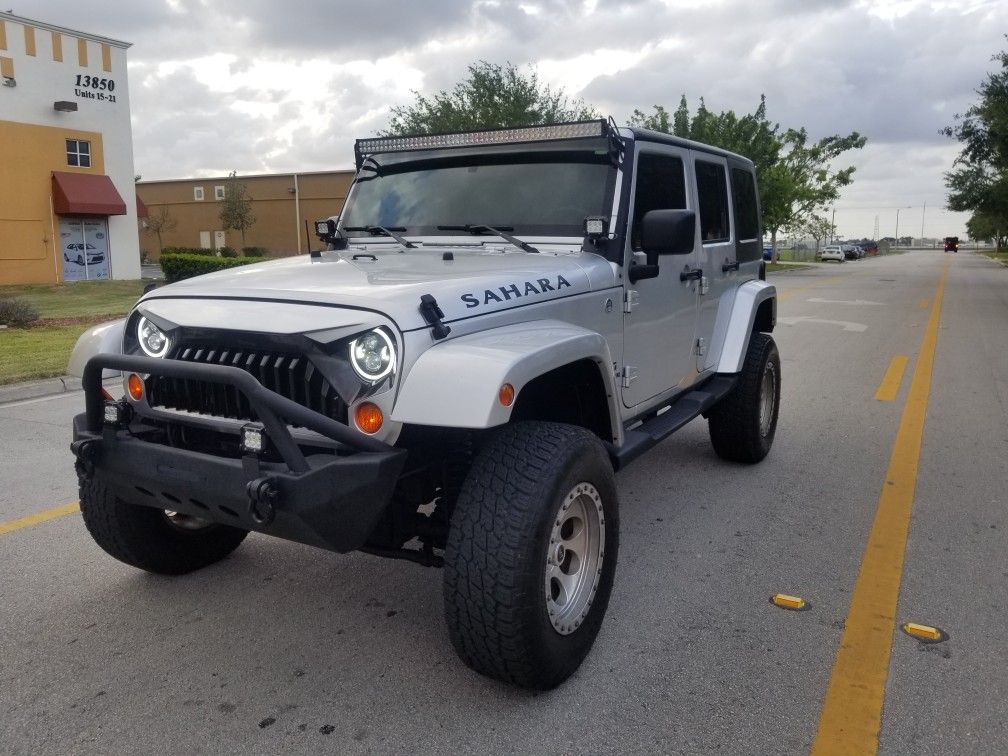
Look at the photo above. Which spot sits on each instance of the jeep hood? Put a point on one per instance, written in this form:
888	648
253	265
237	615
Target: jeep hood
476	281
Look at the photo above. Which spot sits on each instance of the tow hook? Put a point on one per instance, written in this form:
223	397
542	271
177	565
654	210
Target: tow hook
84	452
263	495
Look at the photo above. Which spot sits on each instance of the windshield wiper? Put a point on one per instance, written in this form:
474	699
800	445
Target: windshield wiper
479	228
384	231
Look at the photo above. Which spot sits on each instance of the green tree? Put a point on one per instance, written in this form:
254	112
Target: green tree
236	207
983	227
795	178
978	181
491	96
159	222
818	227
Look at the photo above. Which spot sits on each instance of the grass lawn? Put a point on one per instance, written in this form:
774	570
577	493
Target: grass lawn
66	311
790	267
39	352
83	299
1001	257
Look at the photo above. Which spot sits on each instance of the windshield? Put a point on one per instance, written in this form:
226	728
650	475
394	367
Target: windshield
535	194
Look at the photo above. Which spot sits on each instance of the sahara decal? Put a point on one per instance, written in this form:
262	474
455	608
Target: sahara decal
515	291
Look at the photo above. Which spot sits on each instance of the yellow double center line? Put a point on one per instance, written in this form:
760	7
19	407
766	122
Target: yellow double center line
852	710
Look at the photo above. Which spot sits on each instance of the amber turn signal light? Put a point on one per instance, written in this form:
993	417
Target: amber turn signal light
368	417
135	387
506	395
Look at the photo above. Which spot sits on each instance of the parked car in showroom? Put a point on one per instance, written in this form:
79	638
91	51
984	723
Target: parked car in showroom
75	252
832	252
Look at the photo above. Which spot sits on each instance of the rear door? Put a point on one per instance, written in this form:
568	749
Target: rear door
717	255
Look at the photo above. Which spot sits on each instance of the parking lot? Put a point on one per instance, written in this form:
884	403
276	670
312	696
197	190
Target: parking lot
282	647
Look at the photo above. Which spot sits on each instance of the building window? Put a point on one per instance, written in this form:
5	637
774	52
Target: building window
218	192
197	193
78	153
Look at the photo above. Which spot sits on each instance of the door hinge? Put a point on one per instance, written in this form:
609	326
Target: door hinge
629	375
704	285
701	347
630	300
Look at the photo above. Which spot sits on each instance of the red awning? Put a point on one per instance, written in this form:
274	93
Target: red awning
142	211
85	194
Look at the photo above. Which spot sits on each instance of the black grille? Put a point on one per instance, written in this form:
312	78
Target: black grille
290	375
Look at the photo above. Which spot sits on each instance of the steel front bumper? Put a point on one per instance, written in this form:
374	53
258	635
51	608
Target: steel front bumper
328	500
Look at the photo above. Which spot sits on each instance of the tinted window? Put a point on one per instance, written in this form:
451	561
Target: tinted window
547	195
661	185
712	197
744	197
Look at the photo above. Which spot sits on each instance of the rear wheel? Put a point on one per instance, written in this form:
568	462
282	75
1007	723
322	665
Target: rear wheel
743	424
531	554
155	540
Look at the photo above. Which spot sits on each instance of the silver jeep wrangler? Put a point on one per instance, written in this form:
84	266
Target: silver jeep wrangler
501	320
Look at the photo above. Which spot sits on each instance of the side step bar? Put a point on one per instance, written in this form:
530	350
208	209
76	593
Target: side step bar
659	427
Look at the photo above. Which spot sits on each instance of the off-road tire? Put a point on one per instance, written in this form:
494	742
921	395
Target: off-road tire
734	423
144	537
495	560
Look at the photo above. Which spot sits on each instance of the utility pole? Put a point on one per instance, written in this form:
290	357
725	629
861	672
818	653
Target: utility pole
875	230
832	225
923	210
896	243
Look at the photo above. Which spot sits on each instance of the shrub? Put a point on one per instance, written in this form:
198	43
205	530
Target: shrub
177	267
227	252
189	251
255	251
17	312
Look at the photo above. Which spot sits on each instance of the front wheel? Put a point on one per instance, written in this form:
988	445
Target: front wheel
743	424
155	540
531	554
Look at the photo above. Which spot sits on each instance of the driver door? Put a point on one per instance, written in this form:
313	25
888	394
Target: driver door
660	313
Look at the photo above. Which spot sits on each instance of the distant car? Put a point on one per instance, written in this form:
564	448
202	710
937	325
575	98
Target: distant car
952	244
850	252
767	252
832	252
871	249
81	249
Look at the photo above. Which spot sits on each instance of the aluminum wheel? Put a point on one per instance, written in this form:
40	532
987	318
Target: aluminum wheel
768	399
574	558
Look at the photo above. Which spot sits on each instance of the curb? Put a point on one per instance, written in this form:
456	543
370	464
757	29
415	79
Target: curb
17	392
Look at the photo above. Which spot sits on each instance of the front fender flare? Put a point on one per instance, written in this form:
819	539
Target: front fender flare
455	383
104	338
748	299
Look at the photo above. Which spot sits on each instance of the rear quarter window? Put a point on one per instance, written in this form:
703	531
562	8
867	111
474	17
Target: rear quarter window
746	214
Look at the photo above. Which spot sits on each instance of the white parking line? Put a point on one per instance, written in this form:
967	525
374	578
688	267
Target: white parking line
857	302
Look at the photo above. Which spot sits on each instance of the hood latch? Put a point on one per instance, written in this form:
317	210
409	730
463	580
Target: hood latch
433	315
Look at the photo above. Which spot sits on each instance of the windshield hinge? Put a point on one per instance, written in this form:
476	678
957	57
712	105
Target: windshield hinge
433	315
631	298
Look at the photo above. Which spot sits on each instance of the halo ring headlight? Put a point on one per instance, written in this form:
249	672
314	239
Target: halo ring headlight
153	341
373	355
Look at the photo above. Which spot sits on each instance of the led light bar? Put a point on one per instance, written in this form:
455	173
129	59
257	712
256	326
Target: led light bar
522	134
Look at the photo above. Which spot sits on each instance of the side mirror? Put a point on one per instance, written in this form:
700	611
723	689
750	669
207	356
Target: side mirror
667	232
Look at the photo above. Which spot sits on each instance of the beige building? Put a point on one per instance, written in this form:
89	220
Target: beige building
285	205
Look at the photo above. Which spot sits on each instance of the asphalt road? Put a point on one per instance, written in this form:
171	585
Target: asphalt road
285	648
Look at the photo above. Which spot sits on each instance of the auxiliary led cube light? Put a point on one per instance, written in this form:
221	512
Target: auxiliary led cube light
253	439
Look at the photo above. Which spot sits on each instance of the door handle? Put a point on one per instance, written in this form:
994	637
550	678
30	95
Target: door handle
691	275
733	265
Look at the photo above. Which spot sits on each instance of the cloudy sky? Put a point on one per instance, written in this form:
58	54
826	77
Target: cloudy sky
261	85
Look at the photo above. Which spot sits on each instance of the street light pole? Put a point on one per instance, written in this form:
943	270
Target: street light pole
896	243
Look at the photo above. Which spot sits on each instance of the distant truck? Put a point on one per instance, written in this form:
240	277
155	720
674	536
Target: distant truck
952	244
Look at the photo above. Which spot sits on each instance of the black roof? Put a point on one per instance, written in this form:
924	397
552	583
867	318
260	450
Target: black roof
660	137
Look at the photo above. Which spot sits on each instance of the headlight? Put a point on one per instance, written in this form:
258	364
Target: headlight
153	340
373	355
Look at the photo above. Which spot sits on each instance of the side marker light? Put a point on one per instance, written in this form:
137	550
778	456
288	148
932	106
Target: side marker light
784	601
506	395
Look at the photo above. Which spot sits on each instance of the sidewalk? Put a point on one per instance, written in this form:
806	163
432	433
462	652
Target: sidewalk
17	392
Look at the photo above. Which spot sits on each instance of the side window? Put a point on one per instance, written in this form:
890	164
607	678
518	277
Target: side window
660	185
197	193
712	198
746	215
